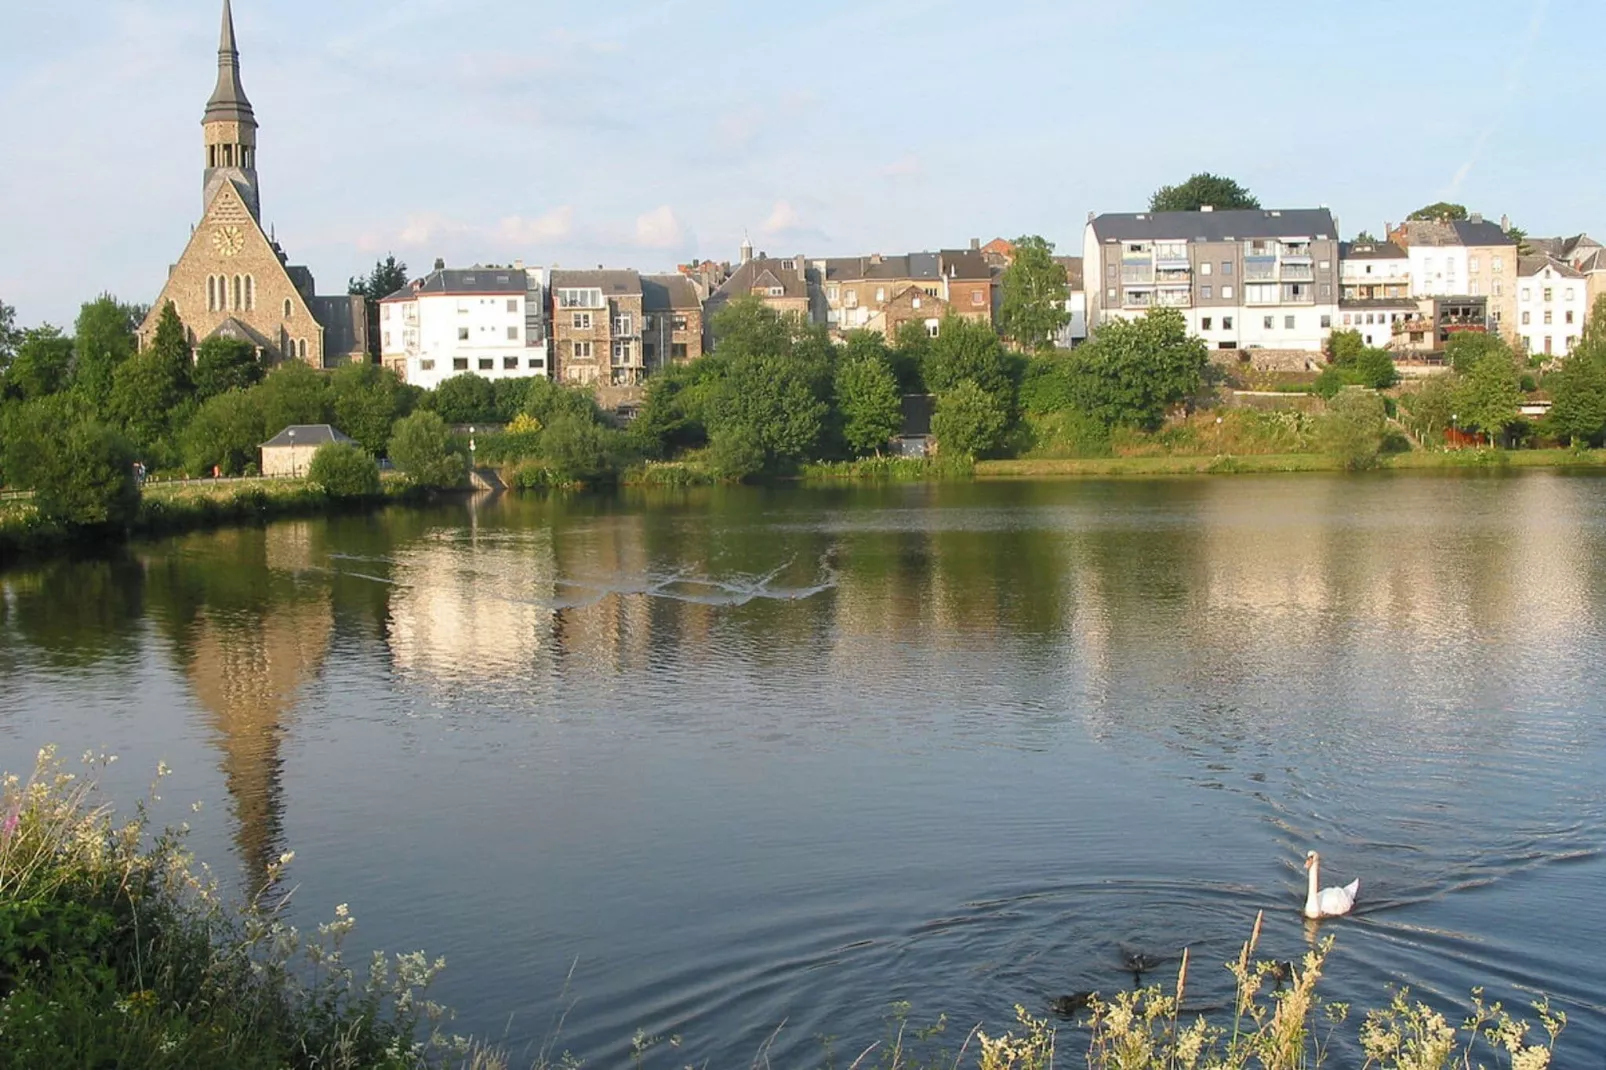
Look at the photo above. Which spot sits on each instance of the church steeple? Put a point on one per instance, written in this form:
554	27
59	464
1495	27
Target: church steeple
230	125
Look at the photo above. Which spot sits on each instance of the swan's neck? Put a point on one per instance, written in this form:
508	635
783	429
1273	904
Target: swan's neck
1310	897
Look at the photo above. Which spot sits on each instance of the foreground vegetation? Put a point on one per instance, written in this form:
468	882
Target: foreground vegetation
117	950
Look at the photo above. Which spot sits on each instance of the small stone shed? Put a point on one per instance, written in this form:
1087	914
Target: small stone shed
288	453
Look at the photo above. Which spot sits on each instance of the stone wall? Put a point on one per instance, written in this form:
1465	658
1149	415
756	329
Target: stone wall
1269	360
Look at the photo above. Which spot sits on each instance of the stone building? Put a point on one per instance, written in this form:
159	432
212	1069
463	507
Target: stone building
790	285
233	278
289	453
1471	258
672	327
597	322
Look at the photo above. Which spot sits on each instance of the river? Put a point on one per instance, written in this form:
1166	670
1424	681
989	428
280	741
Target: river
720	762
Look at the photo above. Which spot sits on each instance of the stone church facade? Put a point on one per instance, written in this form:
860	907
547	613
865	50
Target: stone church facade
233	279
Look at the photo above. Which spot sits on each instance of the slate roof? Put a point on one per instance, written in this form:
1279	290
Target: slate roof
758	272
1073	270
233	328
612	282
1382	250
307	435
228	102
1532	265
1457	232
344	320
1234	225
965	264
871	269
664	293
477	280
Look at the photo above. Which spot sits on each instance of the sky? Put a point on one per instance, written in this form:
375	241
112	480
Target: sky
646	133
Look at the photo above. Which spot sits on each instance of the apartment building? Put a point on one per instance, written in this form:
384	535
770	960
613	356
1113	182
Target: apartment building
486	321
597	323
672	321
1552	303
1375	292
879	293
1585	255
1243	279
1463	258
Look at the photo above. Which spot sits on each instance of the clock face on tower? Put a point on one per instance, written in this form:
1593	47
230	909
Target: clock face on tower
228	240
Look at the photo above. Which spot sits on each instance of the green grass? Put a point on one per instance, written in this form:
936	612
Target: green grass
889	469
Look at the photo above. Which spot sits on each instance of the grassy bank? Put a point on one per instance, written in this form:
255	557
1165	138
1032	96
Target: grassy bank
1229	464
116	951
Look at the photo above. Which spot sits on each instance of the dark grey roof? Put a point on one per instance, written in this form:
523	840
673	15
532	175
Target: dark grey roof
228	102
1073	270
871	268
1235	225
344	320
662	293
758	271
1381	250
477	280
965	264
612	283
925	266
233	328
1533	265
307	435
1457	232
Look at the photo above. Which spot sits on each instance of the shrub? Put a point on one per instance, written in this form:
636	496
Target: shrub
421	446
1352	429
579	450
344	471
969	420
81	476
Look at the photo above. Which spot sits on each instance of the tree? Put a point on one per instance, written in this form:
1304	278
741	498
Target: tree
868	400
1439	212
1365	238
1354	363
1466	348
769	400
366	401
1488	398
1430	408
1035	289
41	365
965	349
1132	371
9	336
83	476
388	276
671	415
1578	399
748	326
223	364
1203	189
225	431
580	450
466	399
146	393
969	420
1520	236
292	393
910	347
344	471
1352	428
171	340
104	338
421	446
545	400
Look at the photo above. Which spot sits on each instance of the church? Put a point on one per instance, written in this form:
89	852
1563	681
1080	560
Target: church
233	279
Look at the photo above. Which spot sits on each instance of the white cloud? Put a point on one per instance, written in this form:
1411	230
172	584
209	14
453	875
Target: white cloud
659	229
554	226
783	217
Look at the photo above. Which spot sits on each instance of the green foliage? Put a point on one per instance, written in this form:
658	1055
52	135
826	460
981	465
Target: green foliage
224	364
387	276
41	364
1132	371
292	393
545	400
421	446
1049	383
1354	363
509	397
672	417
747	327
171	341
226	432
736	453
104	337
579	450
965	349
82	475
910	348
1033	310
1217	191
1067	432
1488	399
969	420
148	395
1429	407
366	400
770	400
1439	212
28	430
867	398
1352	429
467	399
1466	348
1578	397
344	470
9	337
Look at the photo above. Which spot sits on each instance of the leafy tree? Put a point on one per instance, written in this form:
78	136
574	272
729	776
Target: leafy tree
171	340
1466	348
1131	371
1430	407
226	431
1343	347
1354	363
29	428
580	450
1217	191
9	336
671	417
969	420
545	400
1365	238
83	475
42	364
1352	428
770	400
292	393
1488	398
388	276
868	400
748	326
1439	212
466	399
104	338
1034	288
223	364
344	471
1578	398
737	453
1520	236
421	446
366	401
909	350
147	392
509	396
965	349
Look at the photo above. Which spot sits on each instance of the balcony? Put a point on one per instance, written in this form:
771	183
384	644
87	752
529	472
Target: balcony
1131	273
1137	299
1299	254
1260	268
1182	277
1298	272
1174	299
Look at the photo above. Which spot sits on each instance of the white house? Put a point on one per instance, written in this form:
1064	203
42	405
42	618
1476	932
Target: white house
1242	279
1551	305
1375	290
489	321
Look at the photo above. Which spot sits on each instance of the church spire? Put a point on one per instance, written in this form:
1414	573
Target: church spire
228	102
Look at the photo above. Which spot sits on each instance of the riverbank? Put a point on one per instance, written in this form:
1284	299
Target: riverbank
1233	464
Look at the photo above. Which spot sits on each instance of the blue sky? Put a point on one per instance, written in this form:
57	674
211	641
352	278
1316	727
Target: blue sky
641	134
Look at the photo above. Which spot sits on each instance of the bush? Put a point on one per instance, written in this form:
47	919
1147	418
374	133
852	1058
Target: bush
344	471
969	421
579	450
1352	429
82	477
421	446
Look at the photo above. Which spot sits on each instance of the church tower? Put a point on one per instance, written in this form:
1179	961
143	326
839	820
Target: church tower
230	127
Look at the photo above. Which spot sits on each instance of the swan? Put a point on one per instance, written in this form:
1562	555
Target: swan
1328	902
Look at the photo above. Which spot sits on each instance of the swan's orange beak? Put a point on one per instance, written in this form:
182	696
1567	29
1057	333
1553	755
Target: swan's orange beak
1308	860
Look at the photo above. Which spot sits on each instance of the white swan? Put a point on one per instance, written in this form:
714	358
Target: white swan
1328	902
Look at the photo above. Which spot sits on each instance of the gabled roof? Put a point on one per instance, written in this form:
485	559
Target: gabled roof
465	281
759	271
307	435
228	102
1379	250
233	328
965	264
1532	265
344	319
1419	232
663	293
1234	225
612	282
1073	270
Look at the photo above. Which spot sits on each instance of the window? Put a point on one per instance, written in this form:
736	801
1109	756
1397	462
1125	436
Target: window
1496	289
1288	323
462	334
288	308
1204	323
978	298
1550	294
533	362
582	321
1572	340
1569	293
1204	293
1326	265
1261	293
1204	268
1472	288
459	364
916	303
1109	295
1109	271
648	351
427	364
1327	321
830	293
852	299
1266	322
678	323
462	308
301	348
1472	263
512	304
1347	319
677	350
1226	323
250	293
621	353
1226	293
932	327
1527	343
880	293
1226	267
211	293
623	324
387	339
384	312
1499	264
1327	289
1547	317
510	364
582	351
1527	294
1569	316
512	334
486	364
238	286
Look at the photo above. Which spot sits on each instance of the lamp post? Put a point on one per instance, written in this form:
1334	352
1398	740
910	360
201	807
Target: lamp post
471	446
295	466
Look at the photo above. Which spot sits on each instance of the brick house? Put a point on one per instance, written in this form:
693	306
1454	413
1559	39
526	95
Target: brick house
859	289
597	321
912	304
672	321
790	285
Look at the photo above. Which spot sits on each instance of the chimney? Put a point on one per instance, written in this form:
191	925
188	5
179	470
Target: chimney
1207	208
1475	217
1090	216
440	263
875	258
1505	222
518	265
975	245
802	268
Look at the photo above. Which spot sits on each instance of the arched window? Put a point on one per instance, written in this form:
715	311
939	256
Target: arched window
211	293
301	349
237	303
250	293
288	308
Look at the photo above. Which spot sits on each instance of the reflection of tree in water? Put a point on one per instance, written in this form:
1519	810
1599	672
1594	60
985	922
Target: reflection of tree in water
74	613
248	633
